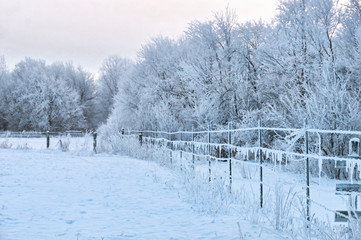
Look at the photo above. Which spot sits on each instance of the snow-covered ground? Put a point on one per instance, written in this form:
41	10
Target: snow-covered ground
47	194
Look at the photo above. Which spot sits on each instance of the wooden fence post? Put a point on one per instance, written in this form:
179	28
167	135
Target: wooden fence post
260	162
140	139
209	154
307	174
47	139
95	142
230	156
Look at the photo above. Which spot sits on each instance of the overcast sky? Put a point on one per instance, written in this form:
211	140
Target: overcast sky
87	31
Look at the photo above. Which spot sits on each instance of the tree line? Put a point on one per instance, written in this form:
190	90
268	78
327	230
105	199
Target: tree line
304	64
36	96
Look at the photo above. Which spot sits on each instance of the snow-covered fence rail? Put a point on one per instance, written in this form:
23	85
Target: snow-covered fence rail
266	148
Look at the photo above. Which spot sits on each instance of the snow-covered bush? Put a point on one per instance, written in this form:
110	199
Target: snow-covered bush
5	144
63	144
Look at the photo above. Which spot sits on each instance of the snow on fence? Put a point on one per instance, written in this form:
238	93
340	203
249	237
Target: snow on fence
296	145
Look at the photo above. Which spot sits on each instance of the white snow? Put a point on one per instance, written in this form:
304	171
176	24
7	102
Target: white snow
46	194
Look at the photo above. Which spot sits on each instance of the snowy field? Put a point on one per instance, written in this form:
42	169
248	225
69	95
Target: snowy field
46	194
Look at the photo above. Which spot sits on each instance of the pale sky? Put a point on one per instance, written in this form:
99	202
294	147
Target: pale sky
87	31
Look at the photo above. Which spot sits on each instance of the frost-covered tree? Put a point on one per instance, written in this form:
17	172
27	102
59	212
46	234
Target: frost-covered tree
208	66
82	82
349	42
298	53
40	98
4	89
156	83
221	71
221	68
112	74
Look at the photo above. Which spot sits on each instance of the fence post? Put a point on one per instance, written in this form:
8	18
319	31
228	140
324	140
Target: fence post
307	174
181	150
140	139
209	154
181	146
230	156
47	139
95	142
170	149
193	148
260	162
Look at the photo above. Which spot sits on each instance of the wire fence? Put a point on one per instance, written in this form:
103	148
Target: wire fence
260	156
271	152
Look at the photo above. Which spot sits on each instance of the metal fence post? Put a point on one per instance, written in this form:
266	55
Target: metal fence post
307	174
230	156
260	162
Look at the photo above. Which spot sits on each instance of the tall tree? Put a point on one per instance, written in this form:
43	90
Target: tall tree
4	90
41	99
112	74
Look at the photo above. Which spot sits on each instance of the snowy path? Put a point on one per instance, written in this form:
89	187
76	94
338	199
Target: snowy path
51	195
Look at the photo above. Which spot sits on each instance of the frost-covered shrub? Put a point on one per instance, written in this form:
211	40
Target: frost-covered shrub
283	211
63	144
5	144
23	146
